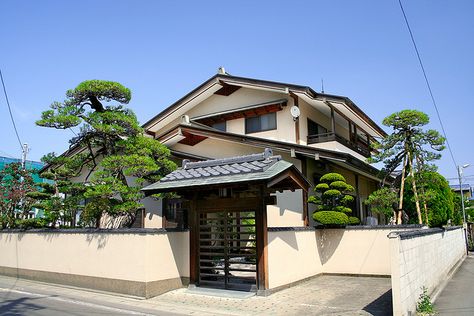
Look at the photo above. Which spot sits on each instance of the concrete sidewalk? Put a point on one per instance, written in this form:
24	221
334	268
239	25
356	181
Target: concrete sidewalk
322	295
457	298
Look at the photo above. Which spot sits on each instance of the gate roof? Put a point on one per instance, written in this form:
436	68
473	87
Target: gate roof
264	168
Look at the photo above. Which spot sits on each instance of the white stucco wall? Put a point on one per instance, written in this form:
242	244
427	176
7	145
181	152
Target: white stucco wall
422	261
298	254
153	212
124	256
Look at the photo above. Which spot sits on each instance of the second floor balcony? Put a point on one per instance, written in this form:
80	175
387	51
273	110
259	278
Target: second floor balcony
356	144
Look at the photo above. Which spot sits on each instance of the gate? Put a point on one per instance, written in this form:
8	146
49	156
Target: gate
227	250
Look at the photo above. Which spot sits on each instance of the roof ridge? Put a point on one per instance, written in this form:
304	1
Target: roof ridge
266	155
254	163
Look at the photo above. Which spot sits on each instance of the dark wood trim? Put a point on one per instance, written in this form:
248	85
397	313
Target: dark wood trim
164	221
193	241
349	120
227	89
333	121
261	243
191	139
297	121
358	209
291	175
283	146
226	203
304	171
242	113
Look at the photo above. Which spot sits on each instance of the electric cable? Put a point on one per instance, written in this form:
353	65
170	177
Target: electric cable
10	110
428	84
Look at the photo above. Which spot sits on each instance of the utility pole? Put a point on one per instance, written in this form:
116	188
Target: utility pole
24	153
460	168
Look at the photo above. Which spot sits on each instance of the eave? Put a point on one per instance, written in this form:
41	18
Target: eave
219	81
343	159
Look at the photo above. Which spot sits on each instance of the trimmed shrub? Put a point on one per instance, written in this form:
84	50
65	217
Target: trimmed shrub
331	177
332	193
332	200
331	218
338	185
347	199
354	220
30	223
321	187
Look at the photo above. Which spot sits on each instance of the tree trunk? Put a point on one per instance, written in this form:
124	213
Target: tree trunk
425	207
415	192
402	187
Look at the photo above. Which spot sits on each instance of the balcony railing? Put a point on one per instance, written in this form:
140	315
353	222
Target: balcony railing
358	146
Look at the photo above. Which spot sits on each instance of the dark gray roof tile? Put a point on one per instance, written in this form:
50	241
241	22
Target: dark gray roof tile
221	167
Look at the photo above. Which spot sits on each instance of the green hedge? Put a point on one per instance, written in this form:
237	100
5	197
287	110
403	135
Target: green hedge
331	177
354	220
331	218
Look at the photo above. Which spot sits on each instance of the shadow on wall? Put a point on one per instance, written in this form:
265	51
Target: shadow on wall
178	242
328	242
100	239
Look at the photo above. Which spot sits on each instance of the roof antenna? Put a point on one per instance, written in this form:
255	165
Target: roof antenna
322	85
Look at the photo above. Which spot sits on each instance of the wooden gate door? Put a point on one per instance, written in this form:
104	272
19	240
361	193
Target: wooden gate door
227	249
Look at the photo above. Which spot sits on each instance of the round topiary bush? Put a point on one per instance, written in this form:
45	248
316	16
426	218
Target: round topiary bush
331	177
321	187
354	220
331	218
332	200
332	193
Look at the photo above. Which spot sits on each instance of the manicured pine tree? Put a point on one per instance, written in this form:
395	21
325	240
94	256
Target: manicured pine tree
111	148
408	145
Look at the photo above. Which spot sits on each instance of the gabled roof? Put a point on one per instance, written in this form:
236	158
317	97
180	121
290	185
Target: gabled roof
344	159
227	171
216	82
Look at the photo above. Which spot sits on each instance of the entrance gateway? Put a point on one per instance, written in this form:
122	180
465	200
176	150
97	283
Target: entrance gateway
227	252
227	215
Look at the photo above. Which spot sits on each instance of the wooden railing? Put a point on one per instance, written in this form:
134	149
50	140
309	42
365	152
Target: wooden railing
358	146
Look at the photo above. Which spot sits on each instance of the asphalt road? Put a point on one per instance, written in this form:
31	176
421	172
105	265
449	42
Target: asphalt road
33	301
457	298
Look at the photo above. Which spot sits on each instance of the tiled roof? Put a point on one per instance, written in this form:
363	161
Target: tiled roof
227	171
223	167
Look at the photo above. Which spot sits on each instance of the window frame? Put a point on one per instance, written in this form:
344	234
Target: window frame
218	123
318	127
259	117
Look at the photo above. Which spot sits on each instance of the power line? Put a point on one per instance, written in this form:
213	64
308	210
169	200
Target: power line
427	83
7	154
72	131
10	110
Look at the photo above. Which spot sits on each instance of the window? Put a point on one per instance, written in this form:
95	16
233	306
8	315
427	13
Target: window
315	128
175	214
260	123
221	126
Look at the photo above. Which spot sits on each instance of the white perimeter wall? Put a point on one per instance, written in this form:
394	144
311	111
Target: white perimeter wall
422	260
143	257
298	254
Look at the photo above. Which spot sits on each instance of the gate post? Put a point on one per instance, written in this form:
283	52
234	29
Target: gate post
193	240
261	241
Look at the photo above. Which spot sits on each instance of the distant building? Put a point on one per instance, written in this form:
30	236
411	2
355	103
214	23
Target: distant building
30	165
466	190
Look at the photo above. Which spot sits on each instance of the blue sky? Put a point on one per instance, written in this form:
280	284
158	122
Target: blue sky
163	49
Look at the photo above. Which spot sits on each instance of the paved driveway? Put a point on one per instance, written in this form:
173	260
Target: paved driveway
323	295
